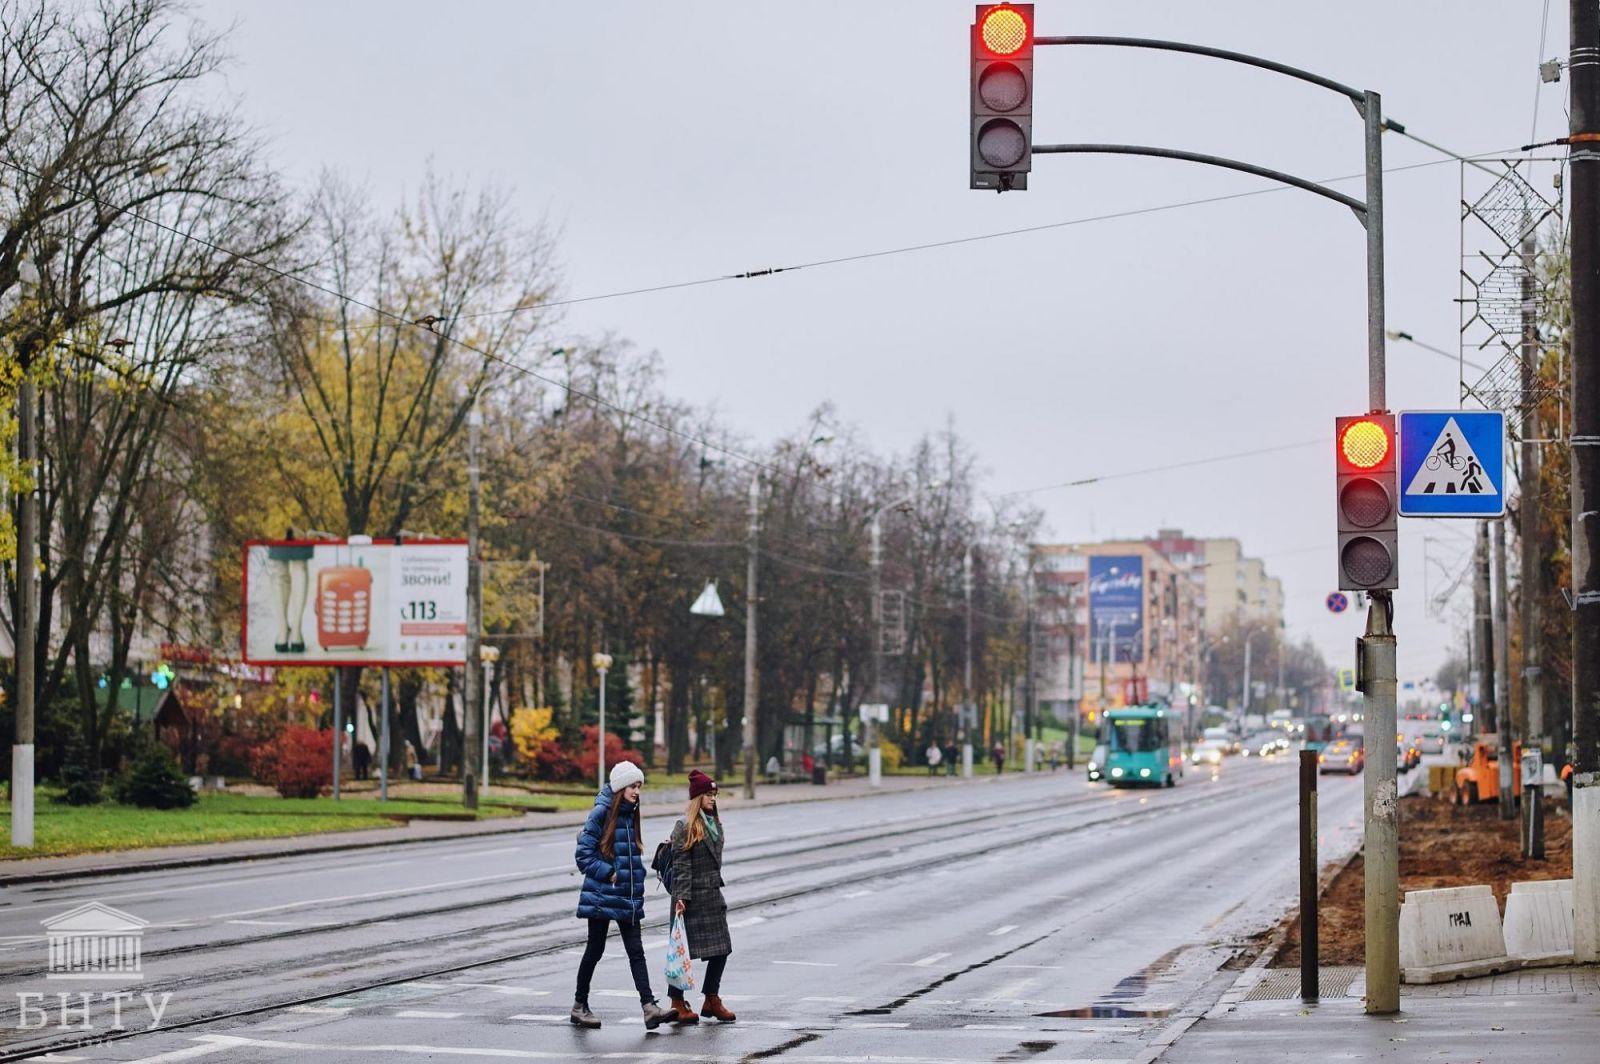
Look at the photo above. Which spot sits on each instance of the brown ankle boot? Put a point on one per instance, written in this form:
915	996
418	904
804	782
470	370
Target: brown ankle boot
714	1009
681	1013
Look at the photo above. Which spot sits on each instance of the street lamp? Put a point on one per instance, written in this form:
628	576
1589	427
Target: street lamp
602	663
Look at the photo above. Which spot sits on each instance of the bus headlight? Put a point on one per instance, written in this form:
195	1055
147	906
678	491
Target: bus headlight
1116	772
1145	773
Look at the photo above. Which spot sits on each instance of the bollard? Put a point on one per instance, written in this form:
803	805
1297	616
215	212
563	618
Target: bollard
1309	988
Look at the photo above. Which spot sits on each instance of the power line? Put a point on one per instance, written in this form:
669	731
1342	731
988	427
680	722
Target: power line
1082	481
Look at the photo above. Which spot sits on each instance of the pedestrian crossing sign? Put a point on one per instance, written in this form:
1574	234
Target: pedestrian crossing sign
1452	463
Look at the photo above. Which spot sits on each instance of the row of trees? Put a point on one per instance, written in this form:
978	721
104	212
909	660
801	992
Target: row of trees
216	357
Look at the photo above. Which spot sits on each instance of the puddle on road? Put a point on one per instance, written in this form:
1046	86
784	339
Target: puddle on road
1106	1012
1119	1002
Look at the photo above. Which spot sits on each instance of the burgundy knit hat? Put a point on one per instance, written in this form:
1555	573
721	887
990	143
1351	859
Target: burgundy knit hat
700	783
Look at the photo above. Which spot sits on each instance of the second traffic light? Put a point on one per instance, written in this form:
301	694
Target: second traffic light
1002	96
1367	489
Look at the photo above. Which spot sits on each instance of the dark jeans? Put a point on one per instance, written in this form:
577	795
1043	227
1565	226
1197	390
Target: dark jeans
711	984
598	927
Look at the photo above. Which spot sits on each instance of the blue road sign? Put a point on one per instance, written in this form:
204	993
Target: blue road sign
1337	602
1452	463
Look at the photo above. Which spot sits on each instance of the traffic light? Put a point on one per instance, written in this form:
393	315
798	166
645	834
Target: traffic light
1002	96
1369	533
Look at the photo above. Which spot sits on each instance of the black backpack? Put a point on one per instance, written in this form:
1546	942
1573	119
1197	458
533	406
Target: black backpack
661	863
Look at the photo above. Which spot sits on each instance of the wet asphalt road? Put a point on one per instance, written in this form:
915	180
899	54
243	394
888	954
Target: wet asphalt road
1030	918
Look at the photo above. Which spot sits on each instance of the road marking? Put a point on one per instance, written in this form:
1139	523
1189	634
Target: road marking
497	988
319	1010
264	923
190	1053
1003	929
876	1026
928	961
617	993
809	964
420	888
424	1014
1033	967
993	1027
831	1000
859	893
539	1017
749	921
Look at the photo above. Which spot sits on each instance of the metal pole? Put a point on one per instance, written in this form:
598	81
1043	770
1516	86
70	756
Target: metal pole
1584	183
338	729
967	715
1246	692
1075	704
27	617
750	709
600	742
1309	900
1485	717
1532	552
488	712
383	742
1378	649
1502	685
472	671
875	566
1027	676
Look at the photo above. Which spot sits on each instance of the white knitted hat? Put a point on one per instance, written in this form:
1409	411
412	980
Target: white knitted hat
625	774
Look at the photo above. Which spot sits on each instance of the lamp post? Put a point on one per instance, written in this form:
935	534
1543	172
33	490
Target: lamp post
602	664
875	565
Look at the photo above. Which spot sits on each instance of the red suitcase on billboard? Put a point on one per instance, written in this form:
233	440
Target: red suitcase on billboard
344	606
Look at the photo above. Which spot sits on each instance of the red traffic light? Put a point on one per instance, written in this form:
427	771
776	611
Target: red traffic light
1004	30
1364	444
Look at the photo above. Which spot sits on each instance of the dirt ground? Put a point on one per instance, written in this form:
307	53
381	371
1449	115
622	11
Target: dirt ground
1441	845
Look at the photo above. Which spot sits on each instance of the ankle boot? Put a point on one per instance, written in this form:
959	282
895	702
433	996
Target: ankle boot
655	1015
714	1009
582	1017
681	1013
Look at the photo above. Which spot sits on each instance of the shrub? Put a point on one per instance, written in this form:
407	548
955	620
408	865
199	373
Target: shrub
532	730
154	780
81	781
589	761
231	755
892	756
554	763
298	763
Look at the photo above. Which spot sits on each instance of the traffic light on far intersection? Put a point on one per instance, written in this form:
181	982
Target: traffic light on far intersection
1367	487
1002	96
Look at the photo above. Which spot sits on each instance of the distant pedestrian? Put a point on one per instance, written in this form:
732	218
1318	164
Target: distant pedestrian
361	760
1055	756
611	857
934	756
999	754
697	900
950	757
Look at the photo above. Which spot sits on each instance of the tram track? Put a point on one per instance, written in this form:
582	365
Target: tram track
946	830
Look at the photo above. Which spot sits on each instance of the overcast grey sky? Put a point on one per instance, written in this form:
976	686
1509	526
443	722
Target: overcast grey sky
673	141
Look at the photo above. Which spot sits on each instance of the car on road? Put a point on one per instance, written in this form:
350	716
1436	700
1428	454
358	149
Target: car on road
1266	744
1431	743
1208	752
1342	755
1097	764
1225	738
1407	754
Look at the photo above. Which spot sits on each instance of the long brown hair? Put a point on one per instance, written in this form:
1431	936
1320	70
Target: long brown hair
608	830
693	819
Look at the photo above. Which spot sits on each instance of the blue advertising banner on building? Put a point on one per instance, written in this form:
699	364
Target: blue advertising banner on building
1116	607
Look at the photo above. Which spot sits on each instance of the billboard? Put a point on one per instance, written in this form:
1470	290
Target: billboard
1116	607
330	602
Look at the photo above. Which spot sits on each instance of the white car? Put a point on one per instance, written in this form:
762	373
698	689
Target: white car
1097	763
1209	752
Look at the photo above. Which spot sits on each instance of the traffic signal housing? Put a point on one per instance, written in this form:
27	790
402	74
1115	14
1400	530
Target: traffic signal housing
1367	494
1002	96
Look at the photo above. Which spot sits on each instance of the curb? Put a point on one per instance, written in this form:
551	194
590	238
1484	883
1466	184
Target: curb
576	817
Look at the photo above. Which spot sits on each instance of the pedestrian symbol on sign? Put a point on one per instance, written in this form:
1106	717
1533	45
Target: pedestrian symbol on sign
1451	468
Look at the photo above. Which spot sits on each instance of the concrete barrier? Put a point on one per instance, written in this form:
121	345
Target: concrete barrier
1538	924
1450	934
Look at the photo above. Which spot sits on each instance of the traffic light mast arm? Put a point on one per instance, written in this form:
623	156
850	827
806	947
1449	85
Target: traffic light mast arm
1354	204
1356	96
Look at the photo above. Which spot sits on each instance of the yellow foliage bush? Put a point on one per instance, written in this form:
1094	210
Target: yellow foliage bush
531	729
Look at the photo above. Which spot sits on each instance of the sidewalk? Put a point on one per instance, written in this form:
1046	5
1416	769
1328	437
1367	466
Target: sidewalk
45	869
1534	1016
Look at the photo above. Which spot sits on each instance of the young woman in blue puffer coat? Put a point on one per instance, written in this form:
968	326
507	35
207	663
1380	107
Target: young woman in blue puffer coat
611	857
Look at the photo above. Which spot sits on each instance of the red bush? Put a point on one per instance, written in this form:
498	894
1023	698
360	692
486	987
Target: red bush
589	762
553	763
298	763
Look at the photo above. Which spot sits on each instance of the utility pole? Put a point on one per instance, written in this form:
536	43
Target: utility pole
875	566
1027	676
26	653
1484	717
1074	684
472	674
602	665
1583	155
1246	694
968	716
750	639
1502	686
1532	552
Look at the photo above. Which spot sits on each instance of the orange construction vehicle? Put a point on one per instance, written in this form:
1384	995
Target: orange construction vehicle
1479	779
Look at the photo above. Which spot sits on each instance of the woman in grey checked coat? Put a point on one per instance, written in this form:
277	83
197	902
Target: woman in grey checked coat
697	842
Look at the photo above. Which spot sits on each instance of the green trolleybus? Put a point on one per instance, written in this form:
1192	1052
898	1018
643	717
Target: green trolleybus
1143	746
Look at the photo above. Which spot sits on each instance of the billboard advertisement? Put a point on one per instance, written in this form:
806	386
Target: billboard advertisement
1116	607
329	602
